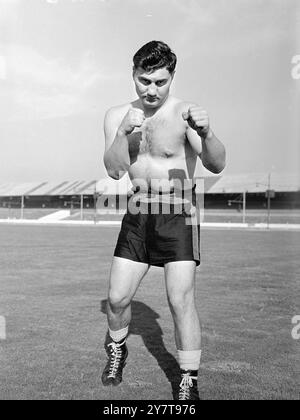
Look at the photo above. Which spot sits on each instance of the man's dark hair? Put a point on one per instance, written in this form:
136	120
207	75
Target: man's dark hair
153	56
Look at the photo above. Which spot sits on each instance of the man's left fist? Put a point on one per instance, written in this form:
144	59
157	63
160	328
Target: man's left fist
198	120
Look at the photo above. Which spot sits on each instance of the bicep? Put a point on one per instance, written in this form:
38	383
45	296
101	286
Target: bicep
194	140
110	128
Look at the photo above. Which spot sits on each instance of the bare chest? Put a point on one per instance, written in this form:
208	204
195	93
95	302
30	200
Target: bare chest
158	137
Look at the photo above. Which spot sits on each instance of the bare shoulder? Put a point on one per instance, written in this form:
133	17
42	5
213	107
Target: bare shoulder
117	113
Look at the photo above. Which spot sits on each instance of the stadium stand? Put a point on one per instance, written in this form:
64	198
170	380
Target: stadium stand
87	199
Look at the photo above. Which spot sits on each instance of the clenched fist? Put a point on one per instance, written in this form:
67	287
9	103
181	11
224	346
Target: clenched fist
197	119
134	118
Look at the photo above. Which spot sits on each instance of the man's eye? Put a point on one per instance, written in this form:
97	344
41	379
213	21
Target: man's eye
161	83
145	82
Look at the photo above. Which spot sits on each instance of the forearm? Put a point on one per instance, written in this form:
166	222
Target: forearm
213	153
116	158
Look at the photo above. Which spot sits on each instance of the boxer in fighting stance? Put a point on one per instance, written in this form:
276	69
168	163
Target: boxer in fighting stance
157	139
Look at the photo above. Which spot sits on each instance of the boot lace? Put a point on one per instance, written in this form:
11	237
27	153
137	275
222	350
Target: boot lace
185	385
115	358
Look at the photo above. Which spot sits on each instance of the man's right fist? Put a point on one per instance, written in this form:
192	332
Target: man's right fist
134	118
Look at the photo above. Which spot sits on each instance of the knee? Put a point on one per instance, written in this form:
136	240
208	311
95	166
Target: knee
182	303
117	300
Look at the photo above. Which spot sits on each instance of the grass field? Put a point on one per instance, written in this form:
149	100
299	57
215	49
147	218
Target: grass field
53	287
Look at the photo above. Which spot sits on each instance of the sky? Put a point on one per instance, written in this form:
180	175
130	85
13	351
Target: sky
63	63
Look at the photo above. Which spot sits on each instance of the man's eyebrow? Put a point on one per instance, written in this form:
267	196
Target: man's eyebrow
150	80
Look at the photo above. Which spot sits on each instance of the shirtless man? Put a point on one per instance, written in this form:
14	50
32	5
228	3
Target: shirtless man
157	140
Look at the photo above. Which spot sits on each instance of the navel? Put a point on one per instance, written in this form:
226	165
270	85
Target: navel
168	154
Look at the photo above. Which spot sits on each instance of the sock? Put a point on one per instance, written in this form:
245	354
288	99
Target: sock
189	359
119	335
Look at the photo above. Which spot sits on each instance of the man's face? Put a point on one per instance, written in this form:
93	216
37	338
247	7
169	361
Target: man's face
152	88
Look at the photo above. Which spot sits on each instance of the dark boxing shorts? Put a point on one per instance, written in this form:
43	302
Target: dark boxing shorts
160	228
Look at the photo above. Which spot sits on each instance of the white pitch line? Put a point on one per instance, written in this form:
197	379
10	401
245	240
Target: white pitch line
244	226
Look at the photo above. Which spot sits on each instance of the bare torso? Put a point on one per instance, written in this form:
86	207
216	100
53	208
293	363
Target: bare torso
159	151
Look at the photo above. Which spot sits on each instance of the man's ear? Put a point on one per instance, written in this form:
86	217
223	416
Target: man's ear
173	74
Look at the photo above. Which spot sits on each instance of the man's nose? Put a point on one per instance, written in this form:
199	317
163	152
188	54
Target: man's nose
152	91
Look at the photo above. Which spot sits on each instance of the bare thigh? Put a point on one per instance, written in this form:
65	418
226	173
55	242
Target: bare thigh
125	277
180	281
